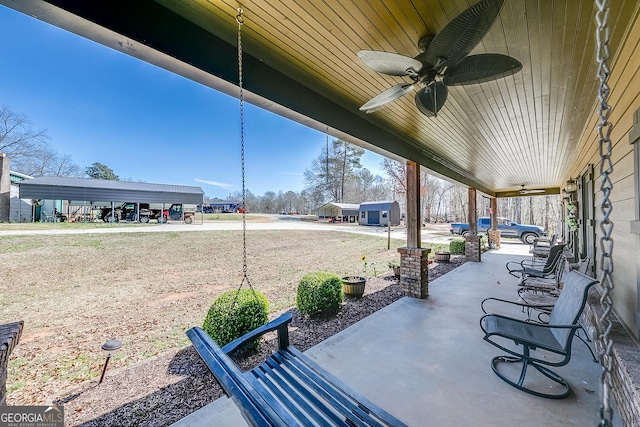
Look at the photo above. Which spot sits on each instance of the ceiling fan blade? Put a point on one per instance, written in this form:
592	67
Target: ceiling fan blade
430	100
532	191
463	33
481	68
387	96
389	63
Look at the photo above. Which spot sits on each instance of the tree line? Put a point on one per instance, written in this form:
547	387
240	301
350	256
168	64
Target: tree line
335	175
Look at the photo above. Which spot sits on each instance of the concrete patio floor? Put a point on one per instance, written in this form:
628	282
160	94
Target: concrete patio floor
425	361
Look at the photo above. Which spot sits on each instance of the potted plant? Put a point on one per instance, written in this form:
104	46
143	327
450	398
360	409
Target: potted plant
572	216
443	256
353	286
395	266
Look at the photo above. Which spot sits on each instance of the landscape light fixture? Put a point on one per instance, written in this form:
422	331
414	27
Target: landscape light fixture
109	347
571	186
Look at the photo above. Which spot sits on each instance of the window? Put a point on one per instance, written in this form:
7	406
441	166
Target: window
636	162
634	139
363	215
384	214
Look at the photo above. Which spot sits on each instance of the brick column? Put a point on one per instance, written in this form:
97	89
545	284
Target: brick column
472	248
494	237
414	272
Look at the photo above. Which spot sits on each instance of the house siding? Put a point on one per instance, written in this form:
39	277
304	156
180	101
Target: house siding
625	99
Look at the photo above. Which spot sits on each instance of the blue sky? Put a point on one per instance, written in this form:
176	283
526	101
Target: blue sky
147	124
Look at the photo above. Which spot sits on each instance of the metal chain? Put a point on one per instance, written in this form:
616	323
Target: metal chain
245	277
240	20
606	225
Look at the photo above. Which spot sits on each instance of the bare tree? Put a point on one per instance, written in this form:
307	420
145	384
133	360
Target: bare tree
29	149
48	163
333	172
290	198
18	139
397	173
269	202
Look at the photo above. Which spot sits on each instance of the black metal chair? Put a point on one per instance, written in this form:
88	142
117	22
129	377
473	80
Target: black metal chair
532	269
555	337
541	246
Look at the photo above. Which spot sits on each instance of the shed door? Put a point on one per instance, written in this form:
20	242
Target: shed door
374	217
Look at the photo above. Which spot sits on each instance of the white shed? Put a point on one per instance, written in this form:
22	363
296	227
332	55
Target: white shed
379	213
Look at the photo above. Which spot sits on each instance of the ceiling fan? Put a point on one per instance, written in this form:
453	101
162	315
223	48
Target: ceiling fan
444	61
530	190
523	191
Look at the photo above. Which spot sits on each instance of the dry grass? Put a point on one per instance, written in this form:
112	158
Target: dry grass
76	291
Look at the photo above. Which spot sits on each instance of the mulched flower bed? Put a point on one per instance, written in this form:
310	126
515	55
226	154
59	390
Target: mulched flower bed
164	389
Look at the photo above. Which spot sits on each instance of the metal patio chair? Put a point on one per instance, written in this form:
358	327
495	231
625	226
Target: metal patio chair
541	246
533	269
554	337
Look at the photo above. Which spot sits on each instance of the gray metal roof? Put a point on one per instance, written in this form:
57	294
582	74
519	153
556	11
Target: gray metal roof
376	206
98	190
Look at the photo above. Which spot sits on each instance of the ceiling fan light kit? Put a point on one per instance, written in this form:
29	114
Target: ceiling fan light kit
445	61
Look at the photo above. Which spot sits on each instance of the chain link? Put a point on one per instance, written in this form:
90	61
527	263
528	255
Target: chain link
604	324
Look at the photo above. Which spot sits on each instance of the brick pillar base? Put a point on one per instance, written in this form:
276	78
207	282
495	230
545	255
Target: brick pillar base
472	248
494	237
414	272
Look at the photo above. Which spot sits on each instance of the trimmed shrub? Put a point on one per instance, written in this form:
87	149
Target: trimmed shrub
484	243
456	246
319	294
228	320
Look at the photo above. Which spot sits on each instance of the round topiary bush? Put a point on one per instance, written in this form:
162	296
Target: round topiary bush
228	320
319	294
456	246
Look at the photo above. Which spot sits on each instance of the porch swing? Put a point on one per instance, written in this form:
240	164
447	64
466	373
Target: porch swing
288	388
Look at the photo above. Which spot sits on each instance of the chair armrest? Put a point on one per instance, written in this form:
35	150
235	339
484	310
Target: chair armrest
519	304
532	264
532	324
281	324
542	241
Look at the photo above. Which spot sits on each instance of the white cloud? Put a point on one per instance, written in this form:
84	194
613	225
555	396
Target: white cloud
216	184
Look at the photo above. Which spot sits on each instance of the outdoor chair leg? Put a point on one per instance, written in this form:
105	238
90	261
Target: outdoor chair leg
586	342
525	362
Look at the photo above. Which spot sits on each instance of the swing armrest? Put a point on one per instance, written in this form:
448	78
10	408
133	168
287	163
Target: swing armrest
281	324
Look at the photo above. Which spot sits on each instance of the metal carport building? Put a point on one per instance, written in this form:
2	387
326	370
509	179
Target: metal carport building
98	191
347	212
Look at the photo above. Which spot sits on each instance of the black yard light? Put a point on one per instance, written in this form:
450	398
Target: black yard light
109	347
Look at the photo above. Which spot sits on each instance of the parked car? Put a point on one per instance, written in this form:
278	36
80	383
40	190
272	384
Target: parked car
507	227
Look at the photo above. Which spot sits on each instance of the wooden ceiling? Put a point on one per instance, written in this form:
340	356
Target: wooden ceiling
301	61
